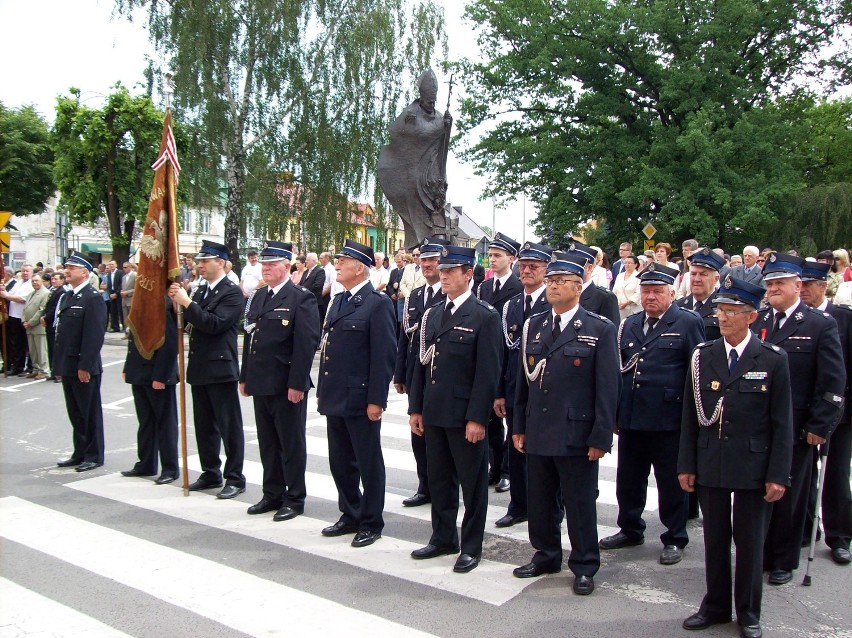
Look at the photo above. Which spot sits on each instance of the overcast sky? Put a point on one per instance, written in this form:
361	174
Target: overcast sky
51	45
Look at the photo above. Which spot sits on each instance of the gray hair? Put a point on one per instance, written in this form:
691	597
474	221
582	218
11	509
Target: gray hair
751	250
691	244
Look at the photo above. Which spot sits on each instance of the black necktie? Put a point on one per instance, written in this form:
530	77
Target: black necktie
557	328
779	317
429	293
652	321
528	306
447	312
732	361
345	299
698	305
496	287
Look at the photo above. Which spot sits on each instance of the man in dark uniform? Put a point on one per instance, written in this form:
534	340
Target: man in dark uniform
114	276
451	396
57	289
817	381
596	299
656	346
497	291
77	362
153	381
736	440
564	416
836	496
356	366
282	334
213	314
416	304
533	260
704	269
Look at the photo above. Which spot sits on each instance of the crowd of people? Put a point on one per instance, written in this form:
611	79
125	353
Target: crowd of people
726	375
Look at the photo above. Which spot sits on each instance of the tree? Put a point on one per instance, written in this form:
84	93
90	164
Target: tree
303	88
683	114
103	161
26	161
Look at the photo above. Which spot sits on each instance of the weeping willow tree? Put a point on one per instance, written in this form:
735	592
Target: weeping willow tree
293	97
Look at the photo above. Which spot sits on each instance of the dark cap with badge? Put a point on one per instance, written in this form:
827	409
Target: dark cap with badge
80	262
779	265
505	243
566	263
454	256
579	248
538	252
276	251
815	271
740	293
658	274
432	247
212	250
706	258
354	250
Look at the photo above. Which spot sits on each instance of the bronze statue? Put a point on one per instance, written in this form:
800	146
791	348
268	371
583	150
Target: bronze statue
412	169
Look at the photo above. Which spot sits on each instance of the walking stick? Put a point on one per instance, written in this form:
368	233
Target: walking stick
182	399
823	455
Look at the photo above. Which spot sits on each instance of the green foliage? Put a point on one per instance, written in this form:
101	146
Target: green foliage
26	161
687	115
103	160
295	92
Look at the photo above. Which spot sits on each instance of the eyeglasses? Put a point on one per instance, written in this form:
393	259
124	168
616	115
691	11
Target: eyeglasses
761	261
559	282
532	266
415	254
730	314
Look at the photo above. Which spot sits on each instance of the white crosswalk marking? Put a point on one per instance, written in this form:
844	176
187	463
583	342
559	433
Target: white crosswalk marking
24	613
195	582
491	582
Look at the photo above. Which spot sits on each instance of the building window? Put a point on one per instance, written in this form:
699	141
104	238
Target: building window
204	222
187	221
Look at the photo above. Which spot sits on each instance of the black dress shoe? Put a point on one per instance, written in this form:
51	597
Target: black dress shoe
365	537
841	556
508	520
203	485
617	541
466	563
432	551
135	472
751	631
531	570
286	513
230	491
263	506
700	621
417	500
339	529
780	577
584	585
68	462
502	485
671	555
165	479
88	465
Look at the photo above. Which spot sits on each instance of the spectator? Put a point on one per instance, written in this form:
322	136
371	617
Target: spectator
599	274
251	276
48	320
625	249
113	281
626	287
662	252
15	293
736	260
194	279
411	276
841	257
686	248
230	274
379	275
750	271
36	335
128	283
328	287
299	265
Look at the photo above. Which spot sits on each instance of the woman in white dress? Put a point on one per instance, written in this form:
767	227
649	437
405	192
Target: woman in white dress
626	288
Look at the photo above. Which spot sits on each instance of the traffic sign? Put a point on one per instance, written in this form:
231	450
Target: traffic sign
649	230
649	244
4	219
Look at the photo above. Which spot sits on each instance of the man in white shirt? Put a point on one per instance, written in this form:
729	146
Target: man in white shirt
15	294
251	275
379	275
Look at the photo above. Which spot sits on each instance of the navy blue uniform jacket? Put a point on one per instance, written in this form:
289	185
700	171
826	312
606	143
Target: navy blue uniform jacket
80	336
213	337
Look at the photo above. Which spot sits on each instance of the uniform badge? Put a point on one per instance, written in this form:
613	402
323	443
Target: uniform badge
531	360
630	345
772	258
799	316
578	324
526	246
728	282
763	388
651	268
285	322
577	363
715	385
537	336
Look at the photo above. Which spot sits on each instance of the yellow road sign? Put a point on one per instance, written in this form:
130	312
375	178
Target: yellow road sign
649	230
5	241
4	219
649	244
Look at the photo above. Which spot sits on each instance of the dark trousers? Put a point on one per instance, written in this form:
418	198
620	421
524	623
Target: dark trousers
16	345
83	403
577	478
418	446
638	452
283	451
51	340
836	496
517	472
750	521
496	441
116	318
156	411
454	462
218	420
355	457
784	538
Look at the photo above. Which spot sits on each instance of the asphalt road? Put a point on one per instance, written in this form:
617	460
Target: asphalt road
98	554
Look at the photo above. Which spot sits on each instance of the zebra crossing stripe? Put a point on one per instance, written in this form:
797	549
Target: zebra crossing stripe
195	583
